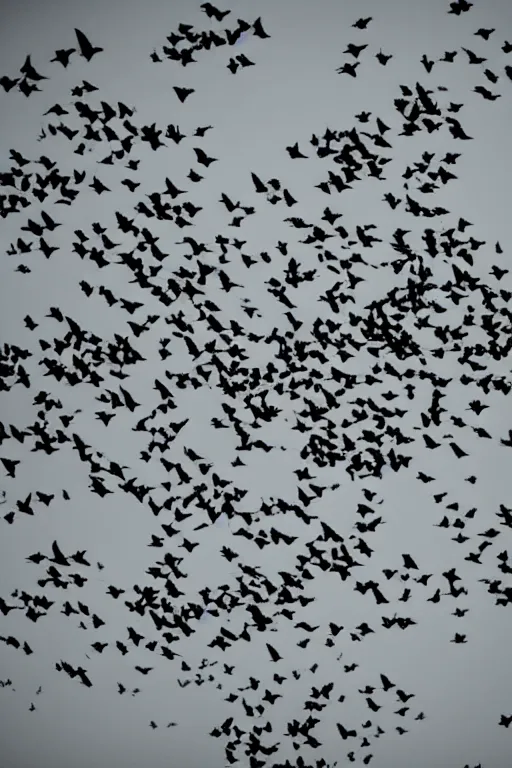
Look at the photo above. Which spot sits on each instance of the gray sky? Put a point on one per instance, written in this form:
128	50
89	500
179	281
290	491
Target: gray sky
293	92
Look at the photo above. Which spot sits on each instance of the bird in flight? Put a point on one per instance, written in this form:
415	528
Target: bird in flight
85	47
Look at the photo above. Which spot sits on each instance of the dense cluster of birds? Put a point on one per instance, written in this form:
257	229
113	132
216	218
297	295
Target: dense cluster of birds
439	311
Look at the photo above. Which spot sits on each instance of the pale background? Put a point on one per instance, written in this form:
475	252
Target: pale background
292	92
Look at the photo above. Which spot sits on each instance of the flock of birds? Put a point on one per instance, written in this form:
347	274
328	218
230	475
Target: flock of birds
313	370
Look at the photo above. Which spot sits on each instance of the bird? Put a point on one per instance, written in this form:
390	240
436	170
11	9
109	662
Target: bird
473	58
258	29
274	655
427	63
295	153
202	129
30	73
183	93
212	12
383	58
484	33
63	55
362	23
143	670
449	56
8	83
86	49
10	466
355	50
202	157
244	61
409	562
456	129
348	69
460	6
386	683
25	87
488	95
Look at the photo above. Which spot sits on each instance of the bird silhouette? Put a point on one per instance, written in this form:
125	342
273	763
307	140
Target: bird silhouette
63	55
86	49
212	12
183	93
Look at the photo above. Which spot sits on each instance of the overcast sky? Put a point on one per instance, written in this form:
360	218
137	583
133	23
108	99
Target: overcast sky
292	92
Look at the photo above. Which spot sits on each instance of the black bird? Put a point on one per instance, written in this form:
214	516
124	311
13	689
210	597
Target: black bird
63	55
508	442
212	12
355	50
258	29
372	705
409	562
473	58
427	63
244	61
383	58
460	6
26	88
456	129
36	558
7	83
490	75
202	157
485	33
201	130
488	95
183	93
449	56
258	184
58	556
274	655
295	152
362	23
458	451
386	683
10	466
344	733
87	50
348	69
30	73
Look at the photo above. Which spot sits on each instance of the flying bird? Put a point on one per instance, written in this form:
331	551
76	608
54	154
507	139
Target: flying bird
202	157
87	50
63	55
30	73
183	93
258	29
362	23
212	12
